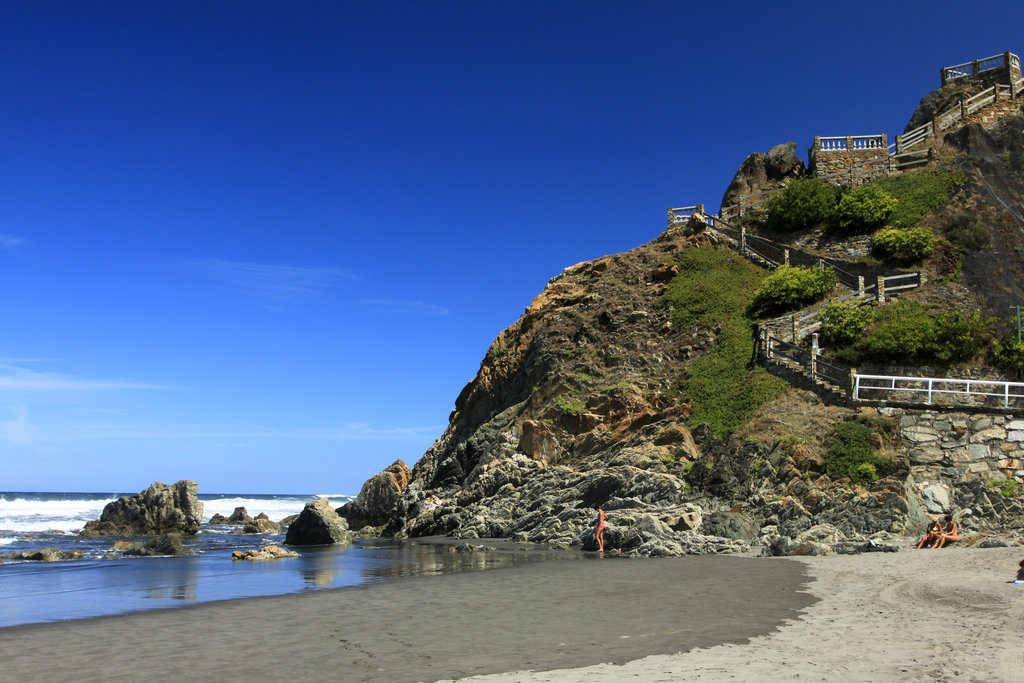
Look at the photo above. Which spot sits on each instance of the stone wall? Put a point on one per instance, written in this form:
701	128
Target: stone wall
992	113
824	162
952	447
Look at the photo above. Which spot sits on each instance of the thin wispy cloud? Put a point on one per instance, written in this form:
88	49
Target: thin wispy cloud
18	430
357	431
276	284
14	379
10	242
417	307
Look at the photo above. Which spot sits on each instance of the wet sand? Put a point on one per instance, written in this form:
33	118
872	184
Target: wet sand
947	615
552	615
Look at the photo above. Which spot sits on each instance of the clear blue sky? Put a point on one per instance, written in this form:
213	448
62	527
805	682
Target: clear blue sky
264	245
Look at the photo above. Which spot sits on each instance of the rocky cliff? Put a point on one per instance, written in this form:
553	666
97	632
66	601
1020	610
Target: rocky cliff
575	407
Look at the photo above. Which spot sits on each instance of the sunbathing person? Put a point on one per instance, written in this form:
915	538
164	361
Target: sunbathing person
949	534
932	534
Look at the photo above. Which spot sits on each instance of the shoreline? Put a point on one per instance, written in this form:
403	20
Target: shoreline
540	615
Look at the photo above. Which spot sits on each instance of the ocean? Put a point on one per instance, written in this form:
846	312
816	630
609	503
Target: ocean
102	583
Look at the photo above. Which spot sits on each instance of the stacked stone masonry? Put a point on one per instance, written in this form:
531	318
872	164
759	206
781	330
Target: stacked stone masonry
956	446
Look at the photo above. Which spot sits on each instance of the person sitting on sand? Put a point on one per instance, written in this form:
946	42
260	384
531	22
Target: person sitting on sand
1020	573
949	534
600	529
932	534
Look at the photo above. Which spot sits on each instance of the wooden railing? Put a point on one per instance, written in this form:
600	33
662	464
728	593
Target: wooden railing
977	66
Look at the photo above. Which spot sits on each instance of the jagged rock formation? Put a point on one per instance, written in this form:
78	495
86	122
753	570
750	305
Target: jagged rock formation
760	172
239	516
160	509
44	555
318	524
378	497
261	524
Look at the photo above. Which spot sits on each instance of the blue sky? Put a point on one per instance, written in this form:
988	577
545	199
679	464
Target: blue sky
265	245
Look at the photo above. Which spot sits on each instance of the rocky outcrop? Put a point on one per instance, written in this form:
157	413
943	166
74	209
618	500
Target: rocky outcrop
318	524
378	497
760	172
160	509
270	552
261	524
167	544
239	516
44	555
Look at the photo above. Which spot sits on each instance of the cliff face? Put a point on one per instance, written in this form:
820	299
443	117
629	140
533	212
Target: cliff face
573	408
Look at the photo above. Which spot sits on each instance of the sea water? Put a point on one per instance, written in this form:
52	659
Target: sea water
106	583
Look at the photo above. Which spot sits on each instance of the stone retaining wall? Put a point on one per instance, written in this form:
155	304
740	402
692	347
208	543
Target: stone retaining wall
955	446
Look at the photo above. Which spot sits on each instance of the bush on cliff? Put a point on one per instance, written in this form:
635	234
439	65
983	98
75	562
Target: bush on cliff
805	203
863	210
966	232
852	454
842	324
1008	354
903	246
725	386
907	332
789	288
917	193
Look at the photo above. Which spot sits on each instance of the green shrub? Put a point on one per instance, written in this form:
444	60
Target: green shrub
805	203
726	387
1008	354
917	193
789	288
862	210
1007	487
842	324
903	245
959	336
711	285
851	454
966	231
907	332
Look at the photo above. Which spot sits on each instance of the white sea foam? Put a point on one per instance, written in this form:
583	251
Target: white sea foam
7	541
37	512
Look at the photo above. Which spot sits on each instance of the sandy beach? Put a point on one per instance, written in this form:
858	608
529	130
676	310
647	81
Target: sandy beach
914	615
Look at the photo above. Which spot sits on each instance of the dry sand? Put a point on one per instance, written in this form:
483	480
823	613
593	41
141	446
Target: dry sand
952	614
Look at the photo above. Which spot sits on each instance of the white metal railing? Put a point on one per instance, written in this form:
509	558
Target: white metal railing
936	387
850	142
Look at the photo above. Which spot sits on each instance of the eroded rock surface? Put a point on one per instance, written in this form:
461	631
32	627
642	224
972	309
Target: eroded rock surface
160	509
318	524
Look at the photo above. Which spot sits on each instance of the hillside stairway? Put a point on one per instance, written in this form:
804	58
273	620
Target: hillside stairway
854	158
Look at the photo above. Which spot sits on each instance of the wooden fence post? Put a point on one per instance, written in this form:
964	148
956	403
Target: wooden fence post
880	289
814	354
853	383
785	256
860	285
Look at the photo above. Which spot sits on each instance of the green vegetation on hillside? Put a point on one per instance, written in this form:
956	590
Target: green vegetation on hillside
898	201
726	386
852	454
904	332
917	193
789	288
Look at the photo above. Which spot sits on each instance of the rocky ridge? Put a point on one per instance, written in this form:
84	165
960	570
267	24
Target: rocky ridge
573	408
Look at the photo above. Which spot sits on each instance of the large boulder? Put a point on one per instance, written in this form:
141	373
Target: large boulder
270	552
760	172
318	524
261	524
376	502
160	509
